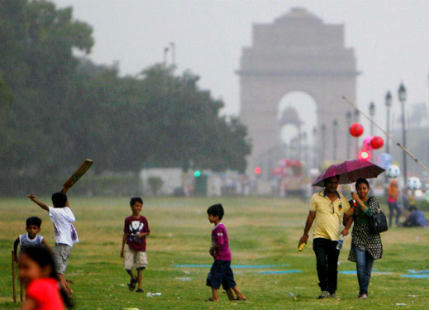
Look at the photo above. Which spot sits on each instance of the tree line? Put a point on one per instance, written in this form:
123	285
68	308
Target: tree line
57	108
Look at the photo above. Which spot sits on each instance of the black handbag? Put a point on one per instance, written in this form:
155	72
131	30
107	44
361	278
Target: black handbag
378	222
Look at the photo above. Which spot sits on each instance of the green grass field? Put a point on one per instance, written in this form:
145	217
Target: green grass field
261	231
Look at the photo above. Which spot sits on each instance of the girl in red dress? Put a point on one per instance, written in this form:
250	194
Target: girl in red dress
38	273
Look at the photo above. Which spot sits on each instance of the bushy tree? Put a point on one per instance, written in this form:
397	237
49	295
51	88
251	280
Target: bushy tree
58	109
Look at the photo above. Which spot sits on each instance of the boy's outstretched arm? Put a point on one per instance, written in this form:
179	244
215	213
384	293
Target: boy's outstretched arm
33	198
15	249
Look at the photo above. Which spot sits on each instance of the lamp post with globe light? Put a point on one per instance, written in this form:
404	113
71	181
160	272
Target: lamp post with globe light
335	135
402	95
372	114
356	120
388	103
348	119
323	128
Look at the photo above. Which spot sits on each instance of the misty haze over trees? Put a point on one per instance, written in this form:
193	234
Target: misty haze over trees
57	109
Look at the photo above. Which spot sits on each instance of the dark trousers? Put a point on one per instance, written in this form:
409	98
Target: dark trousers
394	208
327	262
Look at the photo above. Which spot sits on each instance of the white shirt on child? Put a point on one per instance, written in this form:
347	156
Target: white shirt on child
63	219
26	242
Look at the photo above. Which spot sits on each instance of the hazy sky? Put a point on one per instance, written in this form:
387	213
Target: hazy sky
390	38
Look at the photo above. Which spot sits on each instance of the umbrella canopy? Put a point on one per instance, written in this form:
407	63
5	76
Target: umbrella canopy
349	171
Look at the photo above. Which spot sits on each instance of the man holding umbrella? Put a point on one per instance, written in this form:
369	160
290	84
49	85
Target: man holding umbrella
327	209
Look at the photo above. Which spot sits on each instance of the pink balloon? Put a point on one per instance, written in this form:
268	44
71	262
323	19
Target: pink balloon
367	143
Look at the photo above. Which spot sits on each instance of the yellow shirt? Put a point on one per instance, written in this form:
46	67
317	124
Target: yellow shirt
329	215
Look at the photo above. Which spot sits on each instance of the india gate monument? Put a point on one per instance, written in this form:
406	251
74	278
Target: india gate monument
296	52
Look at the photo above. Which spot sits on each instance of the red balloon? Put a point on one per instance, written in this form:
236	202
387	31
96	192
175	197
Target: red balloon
356	130
377	142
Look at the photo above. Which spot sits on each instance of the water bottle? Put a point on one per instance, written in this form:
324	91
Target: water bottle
340	243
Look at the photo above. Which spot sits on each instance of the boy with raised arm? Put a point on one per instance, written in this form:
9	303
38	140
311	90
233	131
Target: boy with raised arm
65	233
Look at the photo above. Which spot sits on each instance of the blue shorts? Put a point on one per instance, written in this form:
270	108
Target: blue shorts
221	273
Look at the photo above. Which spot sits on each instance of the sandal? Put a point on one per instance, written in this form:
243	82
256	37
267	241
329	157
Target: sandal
211	299
132	284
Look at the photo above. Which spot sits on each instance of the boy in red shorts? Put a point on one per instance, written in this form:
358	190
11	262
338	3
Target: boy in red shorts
220	272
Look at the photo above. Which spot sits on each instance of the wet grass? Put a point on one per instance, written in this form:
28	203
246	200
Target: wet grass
262	231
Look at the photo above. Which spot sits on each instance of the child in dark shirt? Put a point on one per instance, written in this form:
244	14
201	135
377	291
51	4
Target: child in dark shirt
133	250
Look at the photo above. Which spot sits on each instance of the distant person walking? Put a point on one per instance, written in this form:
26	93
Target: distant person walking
366	247
327	209
392	201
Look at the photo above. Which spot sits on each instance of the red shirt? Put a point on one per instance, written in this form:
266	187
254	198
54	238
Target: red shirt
46	293
134	226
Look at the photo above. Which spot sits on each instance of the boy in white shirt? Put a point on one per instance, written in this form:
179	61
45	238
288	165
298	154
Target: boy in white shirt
65	233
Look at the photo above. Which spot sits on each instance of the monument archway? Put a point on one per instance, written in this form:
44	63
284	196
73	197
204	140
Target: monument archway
299	109
297	52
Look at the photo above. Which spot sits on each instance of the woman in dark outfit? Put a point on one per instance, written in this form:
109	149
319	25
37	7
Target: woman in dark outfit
366	247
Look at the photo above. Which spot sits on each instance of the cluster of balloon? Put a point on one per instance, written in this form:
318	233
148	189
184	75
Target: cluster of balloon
393	171
414	183
371	142
377	142
367	143
356	130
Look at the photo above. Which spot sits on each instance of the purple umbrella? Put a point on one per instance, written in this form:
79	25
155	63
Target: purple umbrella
349	171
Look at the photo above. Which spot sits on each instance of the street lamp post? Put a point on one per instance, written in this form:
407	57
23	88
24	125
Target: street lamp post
388	102
335	134
305	149
315	152
372	114
173	53
323	146
402	94
356	120
165	55
348	119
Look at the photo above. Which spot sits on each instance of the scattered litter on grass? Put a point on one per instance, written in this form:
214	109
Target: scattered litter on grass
183	278
149	294
232	266
400	304
280	272
412	296
415	276
293	296
122	284
186	272
417	271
